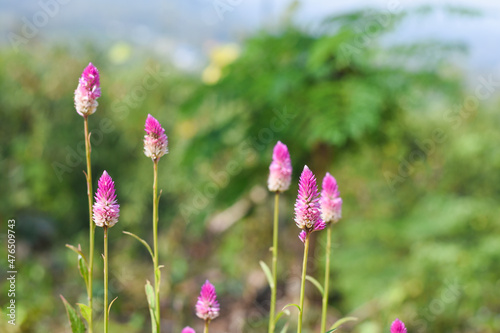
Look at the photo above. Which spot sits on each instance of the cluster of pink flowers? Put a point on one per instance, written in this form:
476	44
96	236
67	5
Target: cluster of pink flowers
331	202
280	170
207	306
106	209
398	326
155	140
88	91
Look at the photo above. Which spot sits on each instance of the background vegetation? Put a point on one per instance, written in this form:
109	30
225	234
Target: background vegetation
410	143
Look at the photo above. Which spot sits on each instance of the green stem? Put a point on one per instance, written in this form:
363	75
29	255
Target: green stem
155	245
272	309
91	222
206	326
106	319
303	284
327	277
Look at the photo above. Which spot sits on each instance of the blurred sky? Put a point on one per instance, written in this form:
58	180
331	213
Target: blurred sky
184	30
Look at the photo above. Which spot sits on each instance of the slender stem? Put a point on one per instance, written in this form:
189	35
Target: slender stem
155	241
206	326
274	287
91	222
106	319
327	277
303	284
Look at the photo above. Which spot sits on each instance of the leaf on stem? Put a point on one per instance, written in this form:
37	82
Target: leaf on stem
150	295
292	304
85	311
142	241
267	271
340	322
78	251
316	284
76	322
279	314
109	307
84	271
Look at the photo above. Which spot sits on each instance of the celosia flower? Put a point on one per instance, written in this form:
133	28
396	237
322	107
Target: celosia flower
280	170
307	208
188	329
331	203
88	91
106	208
155	141
398	326
207	307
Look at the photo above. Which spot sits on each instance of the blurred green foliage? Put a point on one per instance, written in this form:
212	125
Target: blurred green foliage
413	150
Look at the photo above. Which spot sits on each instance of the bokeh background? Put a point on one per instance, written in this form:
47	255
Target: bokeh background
398	100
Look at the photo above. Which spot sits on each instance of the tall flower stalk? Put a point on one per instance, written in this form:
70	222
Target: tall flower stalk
86	95
207	306
106	212
280	176
307	218
155	146
331	212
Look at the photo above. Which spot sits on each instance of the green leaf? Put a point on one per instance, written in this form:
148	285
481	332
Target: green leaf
109	307
340	322
291	304
150	295
316	283
78	251
85	311
82	267
280	314
267	271
76	322
142	241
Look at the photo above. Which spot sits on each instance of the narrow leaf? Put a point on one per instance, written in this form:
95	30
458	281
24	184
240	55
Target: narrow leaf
291	304
142	241
82	267
85	311
267	271
280	314
76	322
340	322
316	284
150	295
77	251
109	307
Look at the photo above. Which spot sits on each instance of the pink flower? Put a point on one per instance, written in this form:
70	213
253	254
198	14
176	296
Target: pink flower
280	170
207	307
398	326
155	141
106	209
331	203
88	91
188	329
307	209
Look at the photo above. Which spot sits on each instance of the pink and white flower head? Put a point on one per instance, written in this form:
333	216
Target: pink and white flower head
106	208
207	307
88	91
280	170
155	140
398	326
331	203
307	208
188	329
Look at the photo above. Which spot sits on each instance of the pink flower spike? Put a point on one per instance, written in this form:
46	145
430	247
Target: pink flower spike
155	140
307	209
398	326
331	203
88	91
106	209
188	329
207	307
280	170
